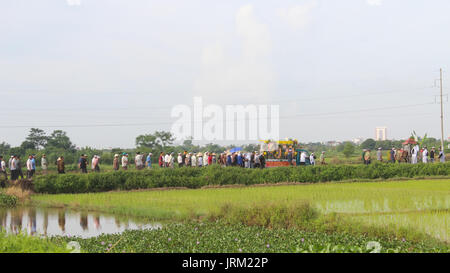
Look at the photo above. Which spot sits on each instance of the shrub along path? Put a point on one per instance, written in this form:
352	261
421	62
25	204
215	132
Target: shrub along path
216	175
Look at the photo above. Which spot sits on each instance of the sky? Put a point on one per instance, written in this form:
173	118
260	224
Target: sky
106	71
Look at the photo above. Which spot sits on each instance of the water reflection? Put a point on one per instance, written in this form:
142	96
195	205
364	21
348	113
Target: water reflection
49	222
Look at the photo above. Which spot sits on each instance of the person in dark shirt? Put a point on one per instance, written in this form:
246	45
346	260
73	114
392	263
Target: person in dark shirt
432	154
82	163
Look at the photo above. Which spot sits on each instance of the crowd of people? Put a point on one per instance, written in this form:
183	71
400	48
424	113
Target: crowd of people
15	166
191	159
412	156
225	159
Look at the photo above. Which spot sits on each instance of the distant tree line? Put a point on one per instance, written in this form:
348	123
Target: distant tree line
58	143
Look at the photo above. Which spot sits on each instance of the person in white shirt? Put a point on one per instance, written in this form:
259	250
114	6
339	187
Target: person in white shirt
414	152
193	160
248	157
303	158
200	159
138	161
205	159
13	168
171	160
3	168
29	167
9	161
311	159
166	160
180	160
44	164
425	155
125	161
441	155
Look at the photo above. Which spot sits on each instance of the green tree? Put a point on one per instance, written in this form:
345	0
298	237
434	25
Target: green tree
37	138
4	148
27	145
159	140
348	150
164	138
59	139
146	141
368	144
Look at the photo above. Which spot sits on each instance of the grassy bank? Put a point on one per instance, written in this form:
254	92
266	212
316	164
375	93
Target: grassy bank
29	244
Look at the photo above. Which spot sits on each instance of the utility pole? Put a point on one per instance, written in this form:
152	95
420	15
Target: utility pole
442	115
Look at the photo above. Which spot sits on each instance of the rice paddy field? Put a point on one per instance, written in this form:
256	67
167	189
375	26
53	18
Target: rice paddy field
413	206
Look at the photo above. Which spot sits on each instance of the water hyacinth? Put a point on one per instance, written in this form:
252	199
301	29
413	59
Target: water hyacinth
273	240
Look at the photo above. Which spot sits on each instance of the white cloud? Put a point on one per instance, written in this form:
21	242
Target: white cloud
298	16
73	2
247	75
374	2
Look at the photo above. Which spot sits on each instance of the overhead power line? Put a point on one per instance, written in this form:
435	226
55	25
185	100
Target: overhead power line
171	122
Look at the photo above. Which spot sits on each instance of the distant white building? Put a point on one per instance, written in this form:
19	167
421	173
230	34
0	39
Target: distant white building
357	141
333	143
380	133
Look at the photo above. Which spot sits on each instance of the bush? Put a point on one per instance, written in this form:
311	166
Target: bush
8	200
217	175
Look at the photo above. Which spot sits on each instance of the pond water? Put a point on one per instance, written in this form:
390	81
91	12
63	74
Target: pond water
50	222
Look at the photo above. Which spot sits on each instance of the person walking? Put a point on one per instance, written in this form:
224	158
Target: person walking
60	165
187	160
312	159
200	159
441	155
116	162
161	160
425	155
257	160
367	158
180	160
19	167
322	158
10	160
290	156
96	163
379	155
414	152
13	168
3	168
44	164
193	160
229	162
171	160
29	167
205	159
432	154
210	159
183	158
262	160
240	162
167	160
302	158
148	161
125	161
82	163
138	161
392	155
